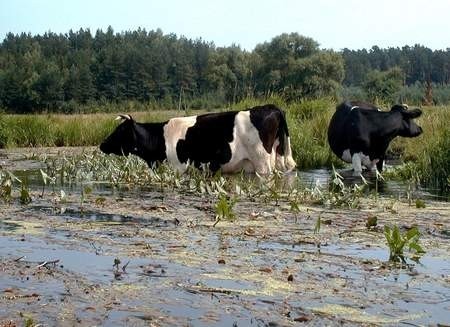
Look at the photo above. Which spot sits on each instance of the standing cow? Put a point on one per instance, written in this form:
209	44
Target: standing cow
255	140
360	133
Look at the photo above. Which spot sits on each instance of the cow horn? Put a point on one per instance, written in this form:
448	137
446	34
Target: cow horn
405	106
124	117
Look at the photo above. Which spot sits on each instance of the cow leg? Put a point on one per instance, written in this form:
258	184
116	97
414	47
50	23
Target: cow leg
262	162
380	164
356	164
263	167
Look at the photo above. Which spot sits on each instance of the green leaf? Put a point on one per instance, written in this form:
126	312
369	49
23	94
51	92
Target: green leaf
412	232
416	247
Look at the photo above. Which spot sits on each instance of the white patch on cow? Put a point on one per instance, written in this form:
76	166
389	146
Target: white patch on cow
346	156
360	159
123	117
175	130
247	150
356	164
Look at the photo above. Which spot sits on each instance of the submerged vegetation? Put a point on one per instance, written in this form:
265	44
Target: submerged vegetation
89	169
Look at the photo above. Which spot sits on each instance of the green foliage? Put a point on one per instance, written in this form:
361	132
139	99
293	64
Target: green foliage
224	208
398	241
293	66
380	86
64	130
419	63
79	72
413	94
427	156
29	322
6	184
371	222
25	196
308	125
420	204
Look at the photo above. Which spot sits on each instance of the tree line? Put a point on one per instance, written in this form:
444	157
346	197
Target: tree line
63	72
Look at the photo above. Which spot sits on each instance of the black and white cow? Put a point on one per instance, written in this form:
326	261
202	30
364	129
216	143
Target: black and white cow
255	140
360	132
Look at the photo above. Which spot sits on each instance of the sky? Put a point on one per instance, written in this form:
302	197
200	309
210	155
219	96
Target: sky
334	25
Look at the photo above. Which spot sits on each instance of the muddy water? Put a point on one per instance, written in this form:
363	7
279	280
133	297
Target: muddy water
267	268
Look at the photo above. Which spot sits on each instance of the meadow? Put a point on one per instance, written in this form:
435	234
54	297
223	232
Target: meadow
425	159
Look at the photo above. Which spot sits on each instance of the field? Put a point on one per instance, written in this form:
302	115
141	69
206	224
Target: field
97	240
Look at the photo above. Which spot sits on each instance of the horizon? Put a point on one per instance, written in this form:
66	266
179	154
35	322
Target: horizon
386	24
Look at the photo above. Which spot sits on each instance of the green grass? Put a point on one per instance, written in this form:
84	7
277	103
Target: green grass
66	130
427	157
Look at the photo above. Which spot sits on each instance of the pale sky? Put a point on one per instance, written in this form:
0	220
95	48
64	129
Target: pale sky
334	24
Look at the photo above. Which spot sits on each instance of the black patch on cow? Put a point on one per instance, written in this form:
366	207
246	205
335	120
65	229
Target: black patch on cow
270	122
207	142
151	145
143	140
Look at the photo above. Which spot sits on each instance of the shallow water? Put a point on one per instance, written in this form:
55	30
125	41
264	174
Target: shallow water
267	268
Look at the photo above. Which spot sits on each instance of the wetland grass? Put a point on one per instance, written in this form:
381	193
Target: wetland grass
65	130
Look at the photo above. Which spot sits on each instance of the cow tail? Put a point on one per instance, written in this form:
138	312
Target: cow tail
283	133
284	147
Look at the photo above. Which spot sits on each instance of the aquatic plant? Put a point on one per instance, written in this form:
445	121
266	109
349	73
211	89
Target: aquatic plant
420	204
224	208
25	196
371	222
341	195
318	224
46	179
6	182
398	241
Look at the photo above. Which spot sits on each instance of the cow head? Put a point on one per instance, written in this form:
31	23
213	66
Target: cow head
123	140
408	127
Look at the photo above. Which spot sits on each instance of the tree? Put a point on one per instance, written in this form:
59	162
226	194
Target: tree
383	85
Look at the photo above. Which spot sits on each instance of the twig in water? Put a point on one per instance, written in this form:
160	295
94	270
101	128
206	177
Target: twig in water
125	266
45	263
98	250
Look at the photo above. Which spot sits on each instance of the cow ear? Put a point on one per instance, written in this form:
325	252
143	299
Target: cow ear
124	117
413	113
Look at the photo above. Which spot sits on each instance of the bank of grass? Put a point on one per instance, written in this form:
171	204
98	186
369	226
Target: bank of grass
66	130
427	157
